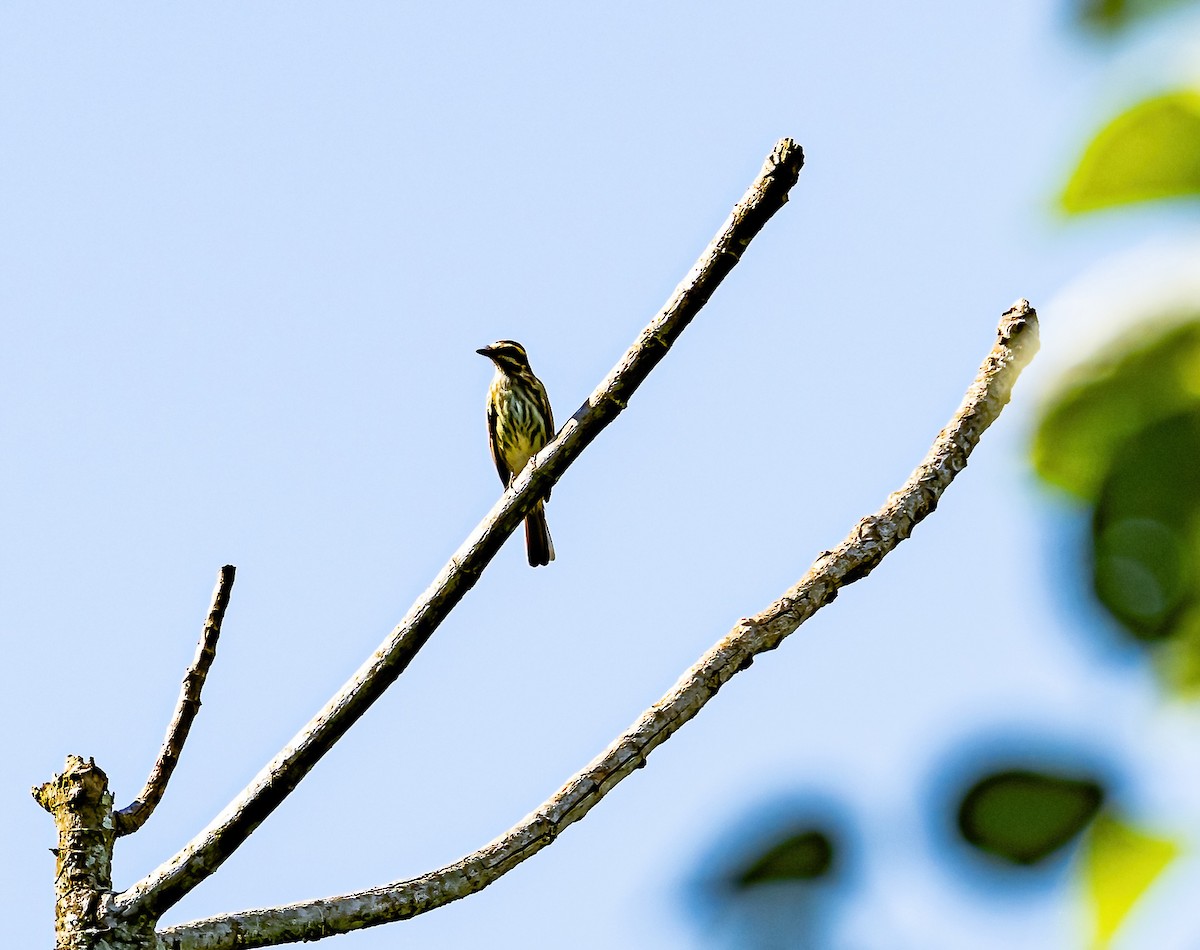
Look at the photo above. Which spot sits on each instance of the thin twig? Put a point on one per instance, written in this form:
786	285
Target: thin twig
858	554
162	888
130	818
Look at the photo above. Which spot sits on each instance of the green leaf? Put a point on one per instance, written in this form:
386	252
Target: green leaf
1113	15
1119	863
1024	816
798	857
1148	376
1151	151
1146	528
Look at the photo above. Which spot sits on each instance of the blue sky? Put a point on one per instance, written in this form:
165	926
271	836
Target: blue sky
249	251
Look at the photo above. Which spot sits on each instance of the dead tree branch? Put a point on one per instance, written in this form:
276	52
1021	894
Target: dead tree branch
855	557
150	897
130	818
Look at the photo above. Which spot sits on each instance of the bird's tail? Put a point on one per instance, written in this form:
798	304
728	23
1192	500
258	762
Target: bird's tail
538	545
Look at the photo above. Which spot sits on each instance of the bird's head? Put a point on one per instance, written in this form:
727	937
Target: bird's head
508	355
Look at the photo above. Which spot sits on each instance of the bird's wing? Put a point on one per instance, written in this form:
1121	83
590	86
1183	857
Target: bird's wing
544	398
550	430
505	474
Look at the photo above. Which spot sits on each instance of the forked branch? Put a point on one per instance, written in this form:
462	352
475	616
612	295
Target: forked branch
857	555
162	888
130	818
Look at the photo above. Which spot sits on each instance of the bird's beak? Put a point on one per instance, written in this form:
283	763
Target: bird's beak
484	351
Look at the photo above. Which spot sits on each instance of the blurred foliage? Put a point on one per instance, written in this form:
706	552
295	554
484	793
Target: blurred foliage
778	880
801	856
1024	816
1119	863
1141	379
1123	434
1147	152
1146	529
1110	16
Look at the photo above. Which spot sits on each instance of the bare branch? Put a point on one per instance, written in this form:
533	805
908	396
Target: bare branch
858	554
162	888
130	818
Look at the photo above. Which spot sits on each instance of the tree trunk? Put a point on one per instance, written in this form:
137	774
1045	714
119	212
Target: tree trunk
82	807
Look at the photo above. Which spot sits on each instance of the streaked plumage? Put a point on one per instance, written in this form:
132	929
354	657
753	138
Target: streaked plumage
520	422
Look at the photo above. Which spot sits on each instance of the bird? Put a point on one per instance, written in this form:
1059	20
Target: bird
519	422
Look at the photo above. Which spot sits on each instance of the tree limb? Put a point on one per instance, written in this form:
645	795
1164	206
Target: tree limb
130	818
857	555
162	888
